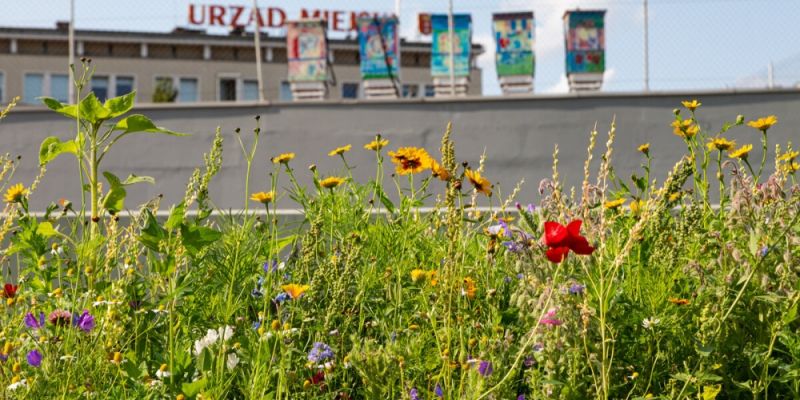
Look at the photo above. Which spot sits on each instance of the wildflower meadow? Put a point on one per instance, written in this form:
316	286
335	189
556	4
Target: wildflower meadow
622	288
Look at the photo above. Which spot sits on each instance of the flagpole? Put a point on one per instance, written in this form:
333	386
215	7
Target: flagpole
71	38
450	33
257	40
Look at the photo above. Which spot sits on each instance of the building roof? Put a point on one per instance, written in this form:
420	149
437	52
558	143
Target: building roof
185	36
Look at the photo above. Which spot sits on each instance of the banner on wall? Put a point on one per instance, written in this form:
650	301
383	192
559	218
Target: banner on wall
586	44
440	47
307	51
378	45
513	34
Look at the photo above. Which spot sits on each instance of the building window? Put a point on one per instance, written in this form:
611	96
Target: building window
100	87
349	90
187	90
250	90
410	90
429	91
286	91
227	89
165	90
59	87
123	85
34	87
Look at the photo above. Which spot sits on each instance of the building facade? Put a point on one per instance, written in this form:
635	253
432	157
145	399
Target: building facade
186	66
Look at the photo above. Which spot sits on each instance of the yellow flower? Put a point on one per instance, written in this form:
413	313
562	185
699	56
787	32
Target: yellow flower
614	204
764	123
15	193
481	184
789	156
275	325
294	290
680	302
376	144
340	150
439	171
644	149
116	358
691	105
675	196
791	167
418	275
741	152
263	197
411	160
331	182
432	276
283	158
721	144
469	288
637	206
685	129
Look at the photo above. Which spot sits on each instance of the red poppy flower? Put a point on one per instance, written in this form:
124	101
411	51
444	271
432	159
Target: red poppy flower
319	377
9	290
561	239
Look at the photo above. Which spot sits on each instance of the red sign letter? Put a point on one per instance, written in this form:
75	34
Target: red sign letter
273	22
215	15
192	19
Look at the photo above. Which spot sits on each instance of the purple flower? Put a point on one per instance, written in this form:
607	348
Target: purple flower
32	322
520	275
320	352
576	289
763	251
521	397
413	394
507	279
531	208
485	368
438	391
34	358
283	296
3	357
529	361
514	247
271	267
550	318
84	322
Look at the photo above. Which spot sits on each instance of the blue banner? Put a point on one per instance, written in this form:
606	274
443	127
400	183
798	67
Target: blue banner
462	44
378	44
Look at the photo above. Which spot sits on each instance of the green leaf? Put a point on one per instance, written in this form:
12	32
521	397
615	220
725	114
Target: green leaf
53	147
176	216
114	201
92	110
711	392
384	199
131	179
192	389
140	123
195	237
46	229
120	105
152	234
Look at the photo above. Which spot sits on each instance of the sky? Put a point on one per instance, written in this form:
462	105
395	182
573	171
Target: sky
694	44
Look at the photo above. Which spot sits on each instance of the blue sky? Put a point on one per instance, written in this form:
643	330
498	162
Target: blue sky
694	44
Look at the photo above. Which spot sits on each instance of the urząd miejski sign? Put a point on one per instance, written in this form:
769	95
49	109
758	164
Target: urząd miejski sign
272	17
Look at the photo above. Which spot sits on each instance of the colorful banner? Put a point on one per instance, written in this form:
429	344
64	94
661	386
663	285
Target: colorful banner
378	44
513	35
586	44
307	51
440	50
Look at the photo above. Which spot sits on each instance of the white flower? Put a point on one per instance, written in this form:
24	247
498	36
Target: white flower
67	358
265	336
225	332
16	385
163	374
649	323
232	361
207	340
334	332
327	366
155	383
105	303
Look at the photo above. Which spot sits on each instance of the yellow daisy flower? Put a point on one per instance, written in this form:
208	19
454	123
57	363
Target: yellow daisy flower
685	129
791	167
614	204
340	150
762	124
789	156
263	197
410	160
480	183
644	149
15	193
331	182
691	105
721	144
741	152
469	288
418	275
376	144
294	290
283	158
439	171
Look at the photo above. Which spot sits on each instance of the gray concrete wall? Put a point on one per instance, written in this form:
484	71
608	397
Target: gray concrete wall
518	136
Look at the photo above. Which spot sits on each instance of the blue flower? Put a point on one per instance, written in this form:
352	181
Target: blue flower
271	266
32	322
438	391
84	322
485	368
320	352
256	325
283	296
763	251
514	247
34	358
577	289
413	394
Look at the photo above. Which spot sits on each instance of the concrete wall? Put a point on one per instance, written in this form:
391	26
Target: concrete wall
517	135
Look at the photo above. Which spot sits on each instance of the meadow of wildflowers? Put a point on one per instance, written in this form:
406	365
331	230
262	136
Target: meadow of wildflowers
621	288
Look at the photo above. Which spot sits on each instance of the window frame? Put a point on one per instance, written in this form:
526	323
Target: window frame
199	87
237	78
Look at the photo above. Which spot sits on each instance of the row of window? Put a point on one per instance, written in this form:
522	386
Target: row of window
174	88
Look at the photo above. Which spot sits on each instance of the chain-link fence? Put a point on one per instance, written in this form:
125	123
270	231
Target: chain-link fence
692	44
